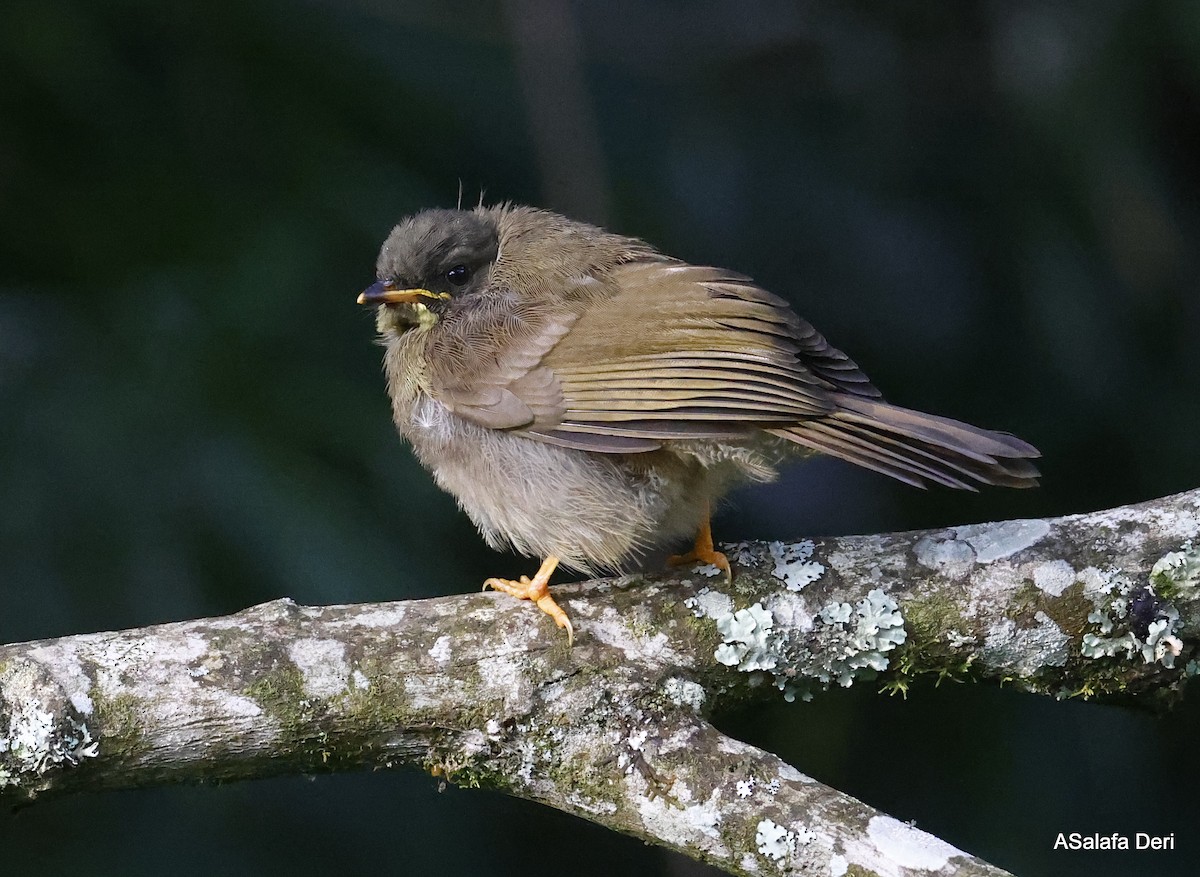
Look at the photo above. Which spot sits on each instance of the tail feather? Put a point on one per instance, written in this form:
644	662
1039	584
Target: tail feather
900	462
917	448
972	440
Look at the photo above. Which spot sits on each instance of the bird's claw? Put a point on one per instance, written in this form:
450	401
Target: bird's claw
716	558
536	590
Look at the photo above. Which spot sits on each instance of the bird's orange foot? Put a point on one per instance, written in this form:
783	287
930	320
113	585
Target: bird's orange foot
697	555
537	589
704	552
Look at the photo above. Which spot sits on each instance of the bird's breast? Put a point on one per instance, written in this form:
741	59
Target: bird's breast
432	429
407	372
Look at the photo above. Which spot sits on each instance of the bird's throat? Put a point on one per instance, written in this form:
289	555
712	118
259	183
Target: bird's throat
396	319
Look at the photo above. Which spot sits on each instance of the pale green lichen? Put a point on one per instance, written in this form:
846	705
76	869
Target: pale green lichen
1139	620
843	642
746	639
852	642
1177	573
793	564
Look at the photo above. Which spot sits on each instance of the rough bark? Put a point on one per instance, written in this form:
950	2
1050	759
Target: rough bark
483	690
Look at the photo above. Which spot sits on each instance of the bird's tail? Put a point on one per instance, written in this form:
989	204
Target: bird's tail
915	447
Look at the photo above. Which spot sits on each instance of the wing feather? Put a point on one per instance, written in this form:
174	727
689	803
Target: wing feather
660	351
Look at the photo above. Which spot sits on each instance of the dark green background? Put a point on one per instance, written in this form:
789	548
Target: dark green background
991	206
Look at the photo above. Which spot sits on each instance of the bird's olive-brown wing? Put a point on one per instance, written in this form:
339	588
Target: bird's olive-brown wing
659	351
665	351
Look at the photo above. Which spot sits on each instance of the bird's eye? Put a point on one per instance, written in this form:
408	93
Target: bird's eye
458	275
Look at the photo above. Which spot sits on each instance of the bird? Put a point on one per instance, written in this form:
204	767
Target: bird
584	396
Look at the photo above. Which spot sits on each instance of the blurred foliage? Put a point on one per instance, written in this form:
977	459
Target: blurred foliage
991	206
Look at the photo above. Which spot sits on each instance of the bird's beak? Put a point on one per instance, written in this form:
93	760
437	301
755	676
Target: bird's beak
384	293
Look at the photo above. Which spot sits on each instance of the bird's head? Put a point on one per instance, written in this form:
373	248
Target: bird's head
428	260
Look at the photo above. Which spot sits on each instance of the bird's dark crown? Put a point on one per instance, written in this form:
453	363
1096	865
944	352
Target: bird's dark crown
443	251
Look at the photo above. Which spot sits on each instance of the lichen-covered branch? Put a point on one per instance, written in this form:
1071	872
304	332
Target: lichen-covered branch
483	690
1103	605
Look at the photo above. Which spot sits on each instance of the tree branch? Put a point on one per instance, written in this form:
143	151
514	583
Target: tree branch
483	690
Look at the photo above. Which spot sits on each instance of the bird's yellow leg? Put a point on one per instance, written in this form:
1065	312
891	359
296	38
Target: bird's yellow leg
703	551
537	590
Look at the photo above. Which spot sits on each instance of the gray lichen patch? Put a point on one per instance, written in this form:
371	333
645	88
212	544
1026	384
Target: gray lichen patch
322	665
590	740
709	603
950	557
677	815
1054	577
901	844
637	634
992	542
35	740
684	693
1126	527
955	552
1024	651
69	672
